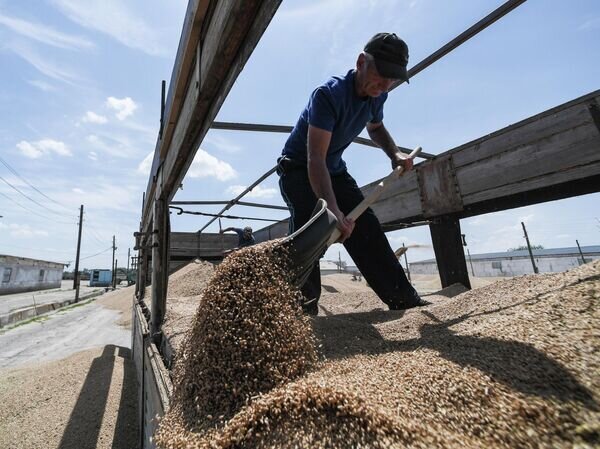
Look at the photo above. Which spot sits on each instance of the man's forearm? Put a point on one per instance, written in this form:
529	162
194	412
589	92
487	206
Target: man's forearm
384	140
320	181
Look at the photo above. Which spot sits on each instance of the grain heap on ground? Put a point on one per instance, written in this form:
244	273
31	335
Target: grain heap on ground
512	364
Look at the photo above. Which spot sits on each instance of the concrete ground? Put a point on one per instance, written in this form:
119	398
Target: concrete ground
61	334
67	379
16	301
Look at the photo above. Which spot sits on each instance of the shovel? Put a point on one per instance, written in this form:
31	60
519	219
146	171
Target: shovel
309	243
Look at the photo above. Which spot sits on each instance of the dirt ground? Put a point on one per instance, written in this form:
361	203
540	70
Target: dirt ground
88	400
514	363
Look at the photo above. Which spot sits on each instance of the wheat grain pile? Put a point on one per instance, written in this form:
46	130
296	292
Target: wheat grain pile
512	364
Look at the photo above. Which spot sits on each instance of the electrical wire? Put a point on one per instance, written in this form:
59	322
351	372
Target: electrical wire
97	254
29	198
34	212
7	165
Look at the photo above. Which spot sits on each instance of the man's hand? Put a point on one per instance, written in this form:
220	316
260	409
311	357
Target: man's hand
401	160
344	224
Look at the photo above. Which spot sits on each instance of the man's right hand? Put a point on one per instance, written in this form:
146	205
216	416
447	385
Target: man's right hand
345	225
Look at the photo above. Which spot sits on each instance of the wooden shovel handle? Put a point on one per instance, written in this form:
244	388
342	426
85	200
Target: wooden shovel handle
375	193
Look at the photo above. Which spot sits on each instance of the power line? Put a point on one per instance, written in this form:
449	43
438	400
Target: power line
29	198
34	212
97	254
31	185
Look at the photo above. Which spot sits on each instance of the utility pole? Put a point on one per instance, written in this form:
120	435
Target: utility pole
114	274
339	262
464	242
406	262
76	273
582	258
128	256
115	277
535	268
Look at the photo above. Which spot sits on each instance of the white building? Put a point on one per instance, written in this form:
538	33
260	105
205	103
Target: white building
328	267
20	274
517	263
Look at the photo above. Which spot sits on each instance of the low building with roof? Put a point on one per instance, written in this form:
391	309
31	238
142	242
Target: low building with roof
21	274
517	263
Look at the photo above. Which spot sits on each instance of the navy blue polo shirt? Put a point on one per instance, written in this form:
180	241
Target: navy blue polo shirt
334	106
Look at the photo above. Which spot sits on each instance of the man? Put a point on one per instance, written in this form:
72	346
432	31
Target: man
311	167
245	236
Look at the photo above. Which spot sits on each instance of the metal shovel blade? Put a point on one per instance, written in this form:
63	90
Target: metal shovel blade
306	246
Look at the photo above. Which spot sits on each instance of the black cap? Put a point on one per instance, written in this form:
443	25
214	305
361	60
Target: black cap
390	54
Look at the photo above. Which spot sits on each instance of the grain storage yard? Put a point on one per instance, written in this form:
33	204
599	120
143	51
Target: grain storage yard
511	364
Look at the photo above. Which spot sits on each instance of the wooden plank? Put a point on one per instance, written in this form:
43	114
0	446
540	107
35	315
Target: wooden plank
403	184
438	187
560	109
157	391
405	204
527	133
559	178
186	54
244	27
195	16
548	155
449	253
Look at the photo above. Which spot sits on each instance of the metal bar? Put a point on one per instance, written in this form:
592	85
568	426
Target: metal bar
492	17
158	265
237	198
231	126
239	203
234	217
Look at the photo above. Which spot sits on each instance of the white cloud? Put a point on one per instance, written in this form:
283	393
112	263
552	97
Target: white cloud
42	85
124	106
44	34
146	164
92	117
34	150
93	155
206	165
17	230
223	144
78	190
256	192
110	196
44	66
113	18
116	146
591	24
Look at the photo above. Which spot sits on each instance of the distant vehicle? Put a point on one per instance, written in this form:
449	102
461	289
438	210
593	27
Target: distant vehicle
100	278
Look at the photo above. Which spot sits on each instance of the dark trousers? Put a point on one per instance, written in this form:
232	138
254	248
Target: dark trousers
368	245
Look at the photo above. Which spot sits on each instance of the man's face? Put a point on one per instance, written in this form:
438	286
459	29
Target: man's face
370	82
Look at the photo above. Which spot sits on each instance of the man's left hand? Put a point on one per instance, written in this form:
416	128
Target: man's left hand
402	161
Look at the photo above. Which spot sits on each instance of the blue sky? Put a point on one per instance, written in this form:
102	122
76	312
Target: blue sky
80	104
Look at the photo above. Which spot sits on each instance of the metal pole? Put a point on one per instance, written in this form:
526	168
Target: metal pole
406	262
492	17
471	263
76	274
582	258
237	198
113	264
127	272
535	268
158	265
